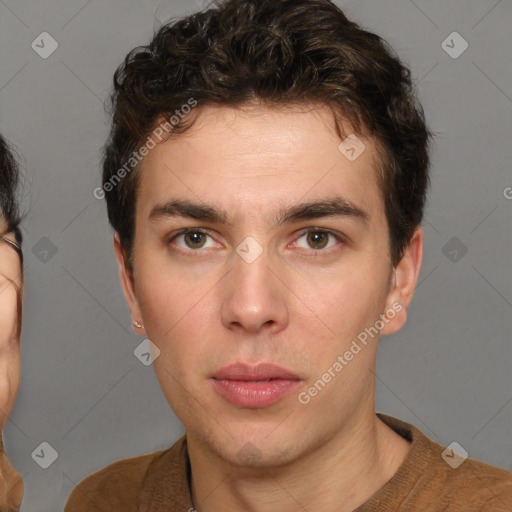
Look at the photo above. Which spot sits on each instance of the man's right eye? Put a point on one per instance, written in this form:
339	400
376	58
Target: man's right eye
190	239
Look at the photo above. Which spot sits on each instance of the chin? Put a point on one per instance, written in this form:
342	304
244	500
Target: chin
252	455
254	448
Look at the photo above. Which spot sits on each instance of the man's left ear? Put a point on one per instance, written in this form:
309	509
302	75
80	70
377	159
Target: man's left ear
403	284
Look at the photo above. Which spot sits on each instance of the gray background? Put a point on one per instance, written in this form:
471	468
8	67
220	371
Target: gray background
82	389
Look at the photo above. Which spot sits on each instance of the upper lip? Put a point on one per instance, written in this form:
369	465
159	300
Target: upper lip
262	371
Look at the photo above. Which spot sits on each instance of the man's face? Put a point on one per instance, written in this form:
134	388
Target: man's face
299	304
10	284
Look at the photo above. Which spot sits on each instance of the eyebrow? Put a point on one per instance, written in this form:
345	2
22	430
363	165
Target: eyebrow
330	207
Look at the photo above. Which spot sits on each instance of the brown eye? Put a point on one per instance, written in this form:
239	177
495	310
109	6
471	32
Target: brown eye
194	239
317	239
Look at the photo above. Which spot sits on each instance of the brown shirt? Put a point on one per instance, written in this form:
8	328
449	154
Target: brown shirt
424	482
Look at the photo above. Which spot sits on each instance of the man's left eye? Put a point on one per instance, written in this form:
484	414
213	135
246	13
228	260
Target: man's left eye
318	239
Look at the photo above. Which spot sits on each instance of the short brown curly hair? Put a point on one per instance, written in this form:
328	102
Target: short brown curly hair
277	52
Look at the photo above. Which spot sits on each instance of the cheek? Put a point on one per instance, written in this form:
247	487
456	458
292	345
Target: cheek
347	302
174	314
348	308
177	322
8	316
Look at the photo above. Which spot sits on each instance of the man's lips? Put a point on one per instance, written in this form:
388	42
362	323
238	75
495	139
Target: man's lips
259	372
254	386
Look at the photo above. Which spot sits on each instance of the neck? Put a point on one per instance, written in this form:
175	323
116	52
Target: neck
338	475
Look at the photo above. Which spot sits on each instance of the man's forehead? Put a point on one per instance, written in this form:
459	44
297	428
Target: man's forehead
187	170
252	120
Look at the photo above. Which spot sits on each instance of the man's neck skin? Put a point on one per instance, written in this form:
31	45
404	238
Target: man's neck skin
338	476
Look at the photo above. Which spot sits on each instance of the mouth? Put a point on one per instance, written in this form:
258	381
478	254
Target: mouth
254	387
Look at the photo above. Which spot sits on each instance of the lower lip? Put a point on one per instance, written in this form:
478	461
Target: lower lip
254	394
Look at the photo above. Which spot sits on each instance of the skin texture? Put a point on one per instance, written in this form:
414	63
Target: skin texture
11	484
296	305
10	282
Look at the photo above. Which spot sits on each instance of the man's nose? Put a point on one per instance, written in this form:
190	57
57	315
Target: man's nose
255	296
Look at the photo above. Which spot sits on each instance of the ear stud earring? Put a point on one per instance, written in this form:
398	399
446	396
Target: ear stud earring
138	324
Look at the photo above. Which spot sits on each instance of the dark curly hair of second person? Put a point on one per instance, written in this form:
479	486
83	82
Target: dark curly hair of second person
276	52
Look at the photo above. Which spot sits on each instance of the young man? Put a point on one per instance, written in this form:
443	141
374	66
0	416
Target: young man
266	176
11	290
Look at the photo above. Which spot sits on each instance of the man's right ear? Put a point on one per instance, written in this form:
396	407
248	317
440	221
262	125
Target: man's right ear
126	278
